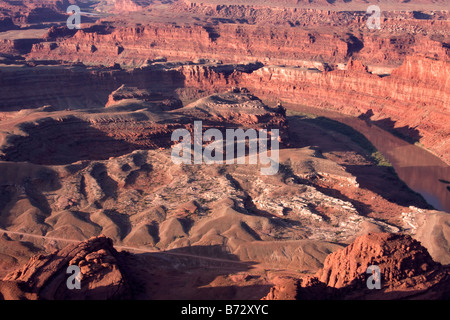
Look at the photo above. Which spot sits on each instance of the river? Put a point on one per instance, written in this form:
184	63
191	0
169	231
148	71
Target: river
422	171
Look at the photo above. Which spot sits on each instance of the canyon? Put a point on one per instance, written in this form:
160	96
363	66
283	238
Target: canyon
87	178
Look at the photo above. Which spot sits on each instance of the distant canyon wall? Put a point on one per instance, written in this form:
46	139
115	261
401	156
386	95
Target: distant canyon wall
317	47
413	101
322	68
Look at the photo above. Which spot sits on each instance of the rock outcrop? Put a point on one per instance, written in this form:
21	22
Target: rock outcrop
45	277
407	271
125	95
398	257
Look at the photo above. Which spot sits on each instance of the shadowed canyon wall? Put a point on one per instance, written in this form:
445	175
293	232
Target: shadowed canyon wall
413	100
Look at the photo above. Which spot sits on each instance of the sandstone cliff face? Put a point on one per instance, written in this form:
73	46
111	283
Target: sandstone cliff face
398	257
78	87
406	272
414	98
412	101
44	277
311	66
306	12
6	23
227	42
275	36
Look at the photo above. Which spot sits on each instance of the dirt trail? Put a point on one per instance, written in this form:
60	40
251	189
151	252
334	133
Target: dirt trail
126	248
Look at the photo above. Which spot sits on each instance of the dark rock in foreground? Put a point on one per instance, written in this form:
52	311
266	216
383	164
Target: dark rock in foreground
45	276
407	271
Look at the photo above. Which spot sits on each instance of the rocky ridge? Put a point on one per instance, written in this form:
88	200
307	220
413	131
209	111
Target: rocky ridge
406	272
44	277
